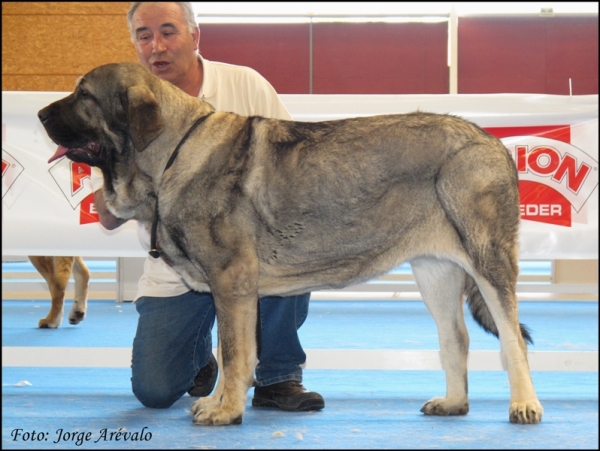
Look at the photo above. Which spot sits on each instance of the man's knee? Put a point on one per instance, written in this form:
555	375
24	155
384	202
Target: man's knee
155	395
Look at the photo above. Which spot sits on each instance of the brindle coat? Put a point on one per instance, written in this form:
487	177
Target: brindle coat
254	206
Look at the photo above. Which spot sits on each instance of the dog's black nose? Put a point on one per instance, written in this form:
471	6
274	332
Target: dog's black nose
43	115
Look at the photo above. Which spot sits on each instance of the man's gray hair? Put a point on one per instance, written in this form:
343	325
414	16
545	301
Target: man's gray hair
186	9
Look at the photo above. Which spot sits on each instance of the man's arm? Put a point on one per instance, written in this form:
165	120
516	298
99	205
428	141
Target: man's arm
107	219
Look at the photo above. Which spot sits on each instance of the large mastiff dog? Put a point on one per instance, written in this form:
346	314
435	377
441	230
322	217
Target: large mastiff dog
249	207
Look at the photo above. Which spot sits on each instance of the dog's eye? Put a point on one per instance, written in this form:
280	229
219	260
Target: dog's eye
84	94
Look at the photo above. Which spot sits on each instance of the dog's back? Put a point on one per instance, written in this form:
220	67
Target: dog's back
357	197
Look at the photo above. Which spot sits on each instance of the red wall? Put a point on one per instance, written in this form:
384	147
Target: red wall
495	55
528	55
380	58
279	52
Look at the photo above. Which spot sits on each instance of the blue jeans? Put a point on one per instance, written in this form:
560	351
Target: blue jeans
173	342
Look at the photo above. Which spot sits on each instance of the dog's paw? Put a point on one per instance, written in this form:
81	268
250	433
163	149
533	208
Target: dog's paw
526	412
444	406
75	317
205	403
49	323
218	415
77	313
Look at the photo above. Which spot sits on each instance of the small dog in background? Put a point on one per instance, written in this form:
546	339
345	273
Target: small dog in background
57	271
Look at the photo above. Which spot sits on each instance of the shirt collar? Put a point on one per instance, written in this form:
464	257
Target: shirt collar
209	79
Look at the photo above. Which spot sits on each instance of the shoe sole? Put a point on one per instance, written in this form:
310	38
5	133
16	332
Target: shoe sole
304	406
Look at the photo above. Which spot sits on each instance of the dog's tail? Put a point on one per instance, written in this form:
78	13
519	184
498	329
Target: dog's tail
481	313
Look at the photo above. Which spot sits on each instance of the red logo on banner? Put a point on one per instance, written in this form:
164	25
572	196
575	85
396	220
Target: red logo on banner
542	203
74	180
87	212
555	177
79	171
11	169
546	161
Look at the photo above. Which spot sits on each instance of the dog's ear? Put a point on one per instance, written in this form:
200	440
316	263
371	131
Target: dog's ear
145	120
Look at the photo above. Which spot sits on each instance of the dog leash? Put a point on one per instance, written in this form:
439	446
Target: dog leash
154	252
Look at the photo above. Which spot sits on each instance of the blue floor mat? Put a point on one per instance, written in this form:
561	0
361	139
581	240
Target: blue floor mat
364	409
555	326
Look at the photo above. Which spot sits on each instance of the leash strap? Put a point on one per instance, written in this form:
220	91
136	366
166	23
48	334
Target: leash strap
154	252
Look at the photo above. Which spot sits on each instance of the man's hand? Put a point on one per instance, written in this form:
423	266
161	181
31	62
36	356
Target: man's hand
107	219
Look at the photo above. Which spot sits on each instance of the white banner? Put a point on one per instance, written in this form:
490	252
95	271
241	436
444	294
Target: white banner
47	209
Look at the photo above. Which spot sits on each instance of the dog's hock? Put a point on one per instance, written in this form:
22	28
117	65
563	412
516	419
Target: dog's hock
145	120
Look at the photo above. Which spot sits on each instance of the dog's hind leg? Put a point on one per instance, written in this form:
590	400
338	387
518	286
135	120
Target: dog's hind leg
478	190
525	407
56	271
81	274
441	284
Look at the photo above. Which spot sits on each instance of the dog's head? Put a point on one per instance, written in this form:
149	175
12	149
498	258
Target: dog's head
113	108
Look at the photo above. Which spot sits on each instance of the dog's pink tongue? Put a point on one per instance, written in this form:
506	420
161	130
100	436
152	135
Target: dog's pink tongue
60	152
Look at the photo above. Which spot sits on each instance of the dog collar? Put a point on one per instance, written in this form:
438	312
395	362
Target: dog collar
154	252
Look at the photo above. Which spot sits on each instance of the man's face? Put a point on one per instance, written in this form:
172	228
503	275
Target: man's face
162	41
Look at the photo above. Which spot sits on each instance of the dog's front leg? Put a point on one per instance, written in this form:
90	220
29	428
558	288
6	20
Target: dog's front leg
56	272
81	274
235	291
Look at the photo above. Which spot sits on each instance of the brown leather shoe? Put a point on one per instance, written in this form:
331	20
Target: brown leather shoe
205	380
288	395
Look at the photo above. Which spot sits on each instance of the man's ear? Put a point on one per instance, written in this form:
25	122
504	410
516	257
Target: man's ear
196	38
145	120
